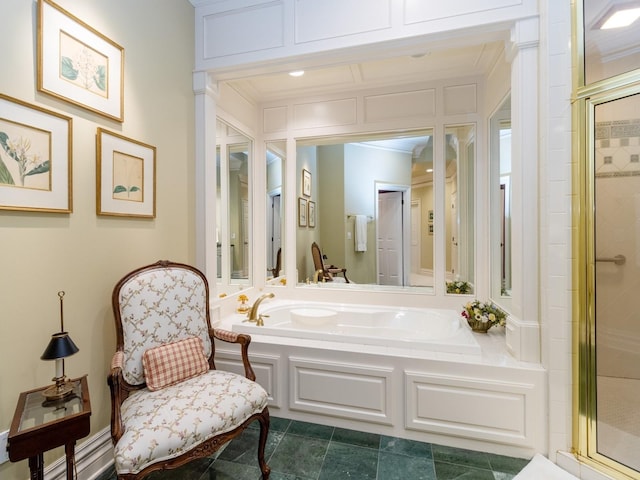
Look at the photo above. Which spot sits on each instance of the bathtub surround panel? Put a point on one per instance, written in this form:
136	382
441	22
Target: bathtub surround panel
341	389
472	407
486	401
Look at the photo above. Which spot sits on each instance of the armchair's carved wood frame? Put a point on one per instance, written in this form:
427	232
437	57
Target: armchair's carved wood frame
120	389
328	272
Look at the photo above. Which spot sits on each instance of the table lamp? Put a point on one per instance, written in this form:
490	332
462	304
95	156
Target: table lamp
60	346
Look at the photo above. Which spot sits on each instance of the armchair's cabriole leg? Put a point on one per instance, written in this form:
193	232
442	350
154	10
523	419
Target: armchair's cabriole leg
264	433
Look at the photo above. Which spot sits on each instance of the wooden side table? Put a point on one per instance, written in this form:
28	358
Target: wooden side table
39	426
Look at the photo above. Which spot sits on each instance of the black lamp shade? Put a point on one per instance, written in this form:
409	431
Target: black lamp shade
60	346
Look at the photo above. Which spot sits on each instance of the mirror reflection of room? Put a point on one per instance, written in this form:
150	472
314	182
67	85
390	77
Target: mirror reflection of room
233	167
373	205
275	158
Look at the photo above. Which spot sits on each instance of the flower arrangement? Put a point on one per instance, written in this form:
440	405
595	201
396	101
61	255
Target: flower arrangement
458	286
481	316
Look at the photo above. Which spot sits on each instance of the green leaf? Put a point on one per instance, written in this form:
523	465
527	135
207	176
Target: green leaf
4	138
100	78
42	168
5	175
119	189
134	189
67	70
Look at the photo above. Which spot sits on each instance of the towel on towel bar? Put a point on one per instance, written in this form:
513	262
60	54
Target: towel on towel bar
361	233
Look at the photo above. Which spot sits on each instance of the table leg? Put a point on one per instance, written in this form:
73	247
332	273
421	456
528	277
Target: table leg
69	450
36	467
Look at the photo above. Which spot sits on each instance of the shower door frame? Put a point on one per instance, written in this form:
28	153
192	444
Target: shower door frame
586	98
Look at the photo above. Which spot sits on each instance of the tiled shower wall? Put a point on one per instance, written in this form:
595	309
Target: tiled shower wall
617	191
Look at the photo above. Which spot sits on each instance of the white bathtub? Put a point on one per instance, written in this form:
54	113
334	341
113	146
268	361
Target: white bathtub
424	329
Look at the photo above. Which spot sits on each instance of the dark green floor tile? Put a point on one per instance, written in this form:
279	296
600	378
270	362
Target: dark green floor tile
244	449
277	424
402	446
191	471
312	430
353	437
285	476
108	474
349	461
299	456
461	456
500	463
450	471
223	470
393	466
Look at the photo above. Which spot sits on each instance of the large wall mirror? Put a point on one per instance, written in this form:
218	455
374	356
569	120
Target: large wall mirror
459	221
500	198
366	204
275	158
233	203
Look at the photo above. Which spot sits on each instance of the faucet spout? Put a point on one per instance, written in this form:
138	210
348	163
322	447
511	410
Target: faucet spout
253	313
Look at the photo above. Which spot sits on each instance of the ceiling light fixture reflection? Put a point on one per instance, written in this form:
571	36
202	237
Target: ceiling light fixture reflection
620	16
297	73
429	170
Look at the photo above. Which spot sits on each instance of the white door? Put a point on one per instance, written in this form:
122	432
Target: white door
390	271
416	226
454	236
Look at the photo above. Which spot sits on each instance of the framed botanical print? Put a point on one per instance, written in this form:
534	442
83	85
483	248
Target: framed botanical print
302	212
126	176
306	183
35	158
78	64
311	217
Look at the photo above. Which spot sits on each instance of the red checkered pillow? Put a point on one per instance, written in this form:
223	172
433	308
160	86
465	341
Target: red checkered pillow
174	362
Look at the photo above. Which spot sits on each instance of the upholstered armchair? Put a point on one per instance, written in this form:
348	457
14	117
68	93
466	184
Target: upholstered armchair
169	404
328	272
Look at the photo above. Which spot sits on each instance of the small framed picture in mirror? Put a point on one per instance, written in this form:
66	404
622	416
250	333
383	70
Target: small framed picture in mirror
430	217
311	217
306	183
302	212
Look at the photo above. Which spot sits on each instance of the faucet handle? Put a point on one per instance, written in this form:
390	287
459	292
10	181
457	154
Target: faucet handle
260	321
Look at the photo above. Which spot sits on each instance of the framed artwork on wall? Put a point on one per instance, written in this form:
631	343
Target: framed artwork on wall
78	64
311	217
126	176
306	183
35	158
302	212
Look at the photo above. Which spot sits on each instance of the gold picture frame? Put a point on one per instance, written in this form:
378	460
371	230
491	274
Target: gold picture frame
126	176
302	212
311	216
78	64
306	183
35	158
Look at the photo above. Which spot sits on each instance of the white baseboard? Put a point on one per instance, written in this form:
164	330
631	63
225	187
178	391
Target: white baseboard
93	457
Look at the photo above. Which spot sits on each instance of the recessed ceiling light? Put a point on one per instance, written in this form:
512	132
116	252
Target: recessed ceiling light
619	17
297	73
429	170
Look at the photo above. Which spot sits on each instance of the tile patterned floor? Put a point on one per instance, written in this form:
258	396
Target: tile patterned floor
305	451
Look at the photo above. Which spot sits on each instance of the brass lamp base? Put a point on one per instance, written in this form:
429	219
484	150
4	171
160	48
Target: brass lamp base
62	389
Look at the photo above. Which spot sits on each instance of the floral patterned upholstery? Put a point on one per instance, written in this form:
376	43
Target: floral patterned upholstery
161	304
168	422
159	307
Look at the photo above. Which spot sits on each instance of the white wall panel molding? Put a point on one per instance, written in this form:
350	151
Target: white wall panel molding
288	30
341	389
275	119
337	18
416	11
419	104
227	33
460	99
325	114
477	408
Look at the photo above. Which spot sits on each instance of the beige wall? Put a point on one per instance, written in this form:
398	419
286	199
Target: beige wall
81	253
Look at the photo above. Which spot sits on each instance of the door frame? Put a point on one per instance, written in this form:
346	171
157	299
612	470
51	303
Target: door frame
406	225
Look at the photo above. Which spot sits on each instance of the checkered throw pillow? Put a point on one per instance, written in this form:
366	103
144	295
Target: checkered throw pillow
174	362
